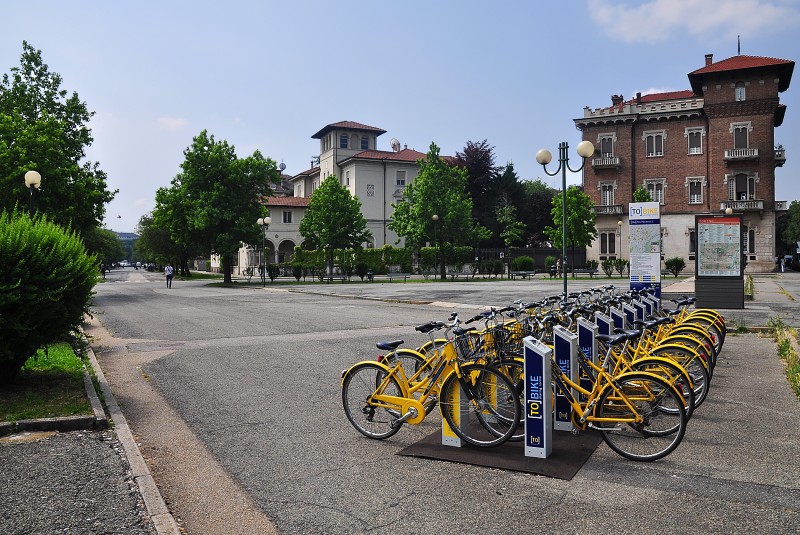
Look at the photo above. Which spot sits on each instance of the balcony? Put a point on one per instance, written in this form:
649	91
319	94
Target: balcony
739	155
606	162
607	209
780	156
751	205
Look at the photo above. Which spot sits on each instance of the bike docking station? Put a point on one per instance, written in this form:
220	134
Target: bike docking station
630	315
538	401
566	353
587	342
605	325
449	437
618	317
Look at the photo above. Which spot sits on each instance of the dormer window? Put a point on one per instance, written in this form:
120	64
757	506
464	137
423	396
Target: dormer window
738	92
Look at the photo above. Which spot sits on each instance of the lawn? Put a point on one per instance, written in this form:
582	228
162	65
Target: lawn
49	385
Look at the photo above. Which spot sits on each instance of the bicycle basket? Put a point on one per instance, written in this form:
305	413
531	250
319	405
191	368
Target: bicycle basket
467	346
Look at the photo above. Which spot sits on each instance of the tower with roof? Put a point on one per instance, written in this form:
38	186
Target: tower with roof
697	151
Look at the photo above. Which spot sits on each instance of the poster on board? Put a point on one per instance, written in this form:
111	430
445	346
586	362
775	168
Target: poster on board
645	246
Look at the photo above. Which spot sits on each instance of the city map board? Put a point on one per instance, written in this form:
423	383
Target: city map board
719	246
644	239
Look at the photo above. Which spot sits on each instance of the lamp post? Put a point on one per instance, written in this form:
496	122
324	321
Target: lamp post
33	180
543	157
264	222
435	219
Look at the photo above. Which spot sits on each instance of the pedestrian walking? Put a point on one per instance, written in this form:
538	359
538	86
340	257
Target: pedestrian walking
103	270
169	272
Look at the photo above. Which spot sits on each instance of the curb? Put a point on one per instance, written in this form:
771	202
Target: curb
162	519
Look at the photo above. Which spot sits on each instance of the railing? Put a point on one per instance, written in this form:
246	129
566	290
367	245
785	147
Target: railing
608	209
780	156
605	162
742	206
741	154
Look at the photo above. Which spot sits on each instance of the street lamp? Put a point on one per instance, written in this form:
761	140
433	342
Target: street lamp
264	222
543	157
435	245
33	180
728	210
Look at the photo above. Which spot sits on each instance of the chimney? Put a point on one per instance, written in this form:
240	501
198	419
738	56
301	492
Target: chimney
709	59
616	100
639	98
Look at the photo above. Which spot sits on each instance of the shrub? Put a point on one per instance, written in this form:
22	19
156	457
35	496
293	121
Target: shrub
549	262
620	265
297	271
272	271
675	265
592	264
45	287
522	263
608	266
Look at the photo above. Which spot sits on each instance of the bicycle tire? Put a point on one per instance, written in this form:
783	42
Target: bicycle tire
652	439
514	369
674	374
694	365
368	419
488	414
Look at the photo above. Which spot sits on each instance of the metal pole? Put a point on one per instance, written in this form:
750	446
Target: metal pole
264	256
30	210
562	158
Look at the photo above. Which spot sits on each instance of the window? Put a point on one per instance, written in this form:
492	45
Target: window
749	240
287	216
364	142
608	243
370	190
695	185
606	194
741	132
655	187
692	241
741	187
343	141
347	178
401	178
654	143
607	146
738	92
695	138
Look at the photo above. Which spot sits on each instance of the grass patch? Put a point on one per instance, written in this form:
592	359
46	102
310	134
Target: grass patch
200	275
49	385
784	336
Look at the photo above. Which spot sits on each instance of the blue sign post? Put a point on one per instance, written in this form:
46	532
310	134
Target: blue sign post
645	245
587	342
538	399
566	352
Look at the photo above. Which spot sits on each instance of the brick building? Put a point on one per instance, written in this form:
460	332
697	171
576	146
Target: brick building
697	151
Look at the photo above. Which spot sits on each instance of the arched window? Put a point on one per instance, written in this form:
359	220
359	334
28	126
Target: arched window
343	141
364	142
739	91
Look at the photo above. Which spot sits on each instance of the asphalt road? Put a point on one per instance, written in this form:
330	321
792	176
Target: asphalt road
234	398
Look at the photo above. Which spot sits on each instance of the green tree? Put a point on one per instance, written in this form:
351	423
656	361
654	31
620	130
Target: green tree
482	180
641	194
333	220
154	243
580	231
535	213
441	190
220	199
44	129
790	228
104	244
511	230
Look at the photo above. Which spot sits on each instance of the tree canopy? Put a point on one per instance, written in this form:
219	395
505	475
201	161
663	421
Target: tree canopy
441	190
581	229
214	202
42	128
333	219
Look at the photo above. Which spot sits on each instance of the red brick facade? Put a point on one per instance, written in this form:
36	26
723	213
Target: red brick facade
700	151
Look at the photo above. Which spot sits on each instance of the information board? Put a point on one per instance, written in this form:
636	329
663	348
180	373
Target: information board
719	246
644	240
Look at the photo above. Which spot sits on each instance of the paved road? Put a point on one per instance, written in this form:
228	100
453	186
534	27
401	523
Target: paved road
234	398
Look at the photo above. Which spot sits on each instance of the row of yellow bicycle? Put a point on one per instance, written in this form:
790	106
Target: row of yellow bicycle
639	394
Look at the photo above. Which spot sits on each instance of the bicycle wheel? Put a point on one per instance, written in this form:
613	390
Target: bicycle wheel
482	407
674	374
694	365
412	362
514	370
663	423
369	418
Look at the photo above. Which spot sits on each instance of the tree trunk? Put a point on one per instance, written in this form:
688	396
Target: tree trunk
227	264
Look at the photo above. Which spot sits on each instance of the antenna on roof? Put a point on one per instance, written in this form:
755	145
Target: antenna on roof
738	45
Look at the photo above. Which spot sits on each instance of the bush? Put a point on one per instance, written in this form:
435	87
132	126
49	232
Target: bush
592	264
675	265
361	270
549	262
620	265
297	271
522	263
608	266
273	271
45	287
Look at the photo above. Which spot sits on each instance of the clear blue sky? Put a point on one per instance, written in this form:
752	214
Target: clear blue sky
267	75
